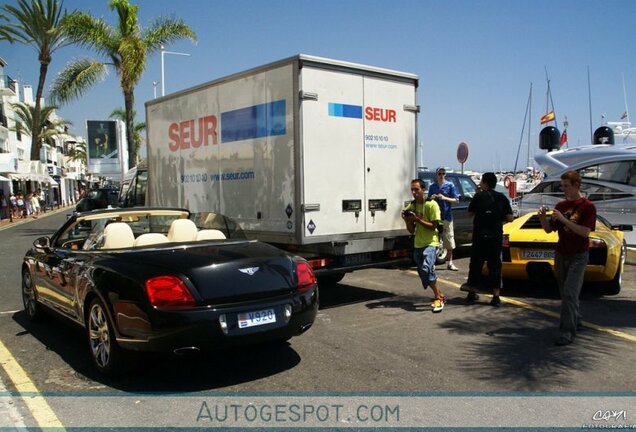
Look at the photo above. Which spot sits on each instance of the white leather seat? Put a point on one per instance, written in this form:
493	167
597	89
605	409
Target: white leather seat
210	234
150	239
118	235
182	230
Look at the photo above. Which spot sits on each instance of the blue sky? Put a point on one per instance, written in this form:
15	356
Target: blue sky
475	60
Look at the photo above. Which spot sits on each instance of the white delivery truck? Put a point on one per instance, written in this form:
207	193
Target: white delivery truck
310	154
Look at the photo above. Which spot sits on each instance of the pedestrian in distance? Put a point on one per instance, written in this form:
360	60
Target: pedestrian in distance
422	217
573	219
4	206
445	193
14	206
490	209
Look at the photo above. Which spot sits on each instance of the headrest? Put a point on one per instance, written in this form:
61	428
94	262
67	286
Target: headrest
150	239
210	234
182	230
118	235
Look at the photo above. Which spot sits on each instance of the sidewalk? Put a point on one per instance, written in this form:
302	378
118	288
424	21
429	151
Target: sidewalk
5	224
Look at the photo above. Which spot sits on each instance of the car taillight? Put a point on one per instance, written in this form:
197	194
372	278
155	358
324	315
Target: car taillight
506	241
168	292
596	243
305	276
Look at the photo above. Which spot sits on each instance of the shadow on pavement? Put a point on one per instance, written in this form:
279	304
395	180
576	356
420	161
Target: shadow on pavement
342	294
164	373
523	354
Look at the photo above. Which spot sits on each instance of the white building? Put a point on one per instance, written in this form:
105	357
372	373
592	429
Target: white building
54	173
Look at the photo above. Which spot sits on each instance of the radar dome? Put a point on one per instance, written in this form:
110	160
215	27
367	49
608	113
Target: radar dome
549	138
603	135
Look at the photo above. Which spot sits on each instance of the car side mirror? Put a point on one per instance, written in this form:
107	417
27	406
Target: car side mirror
42	243
623	227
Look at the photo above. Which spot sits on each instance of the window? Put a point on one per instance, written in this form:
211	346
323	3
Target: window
468	188
623	172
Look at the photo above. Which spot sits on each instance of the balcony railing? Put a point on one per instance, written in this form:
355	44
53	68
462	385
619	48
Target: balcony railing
6	82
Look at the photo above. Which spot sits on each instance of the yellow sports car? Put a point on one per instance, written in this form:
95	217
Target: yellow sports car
528	252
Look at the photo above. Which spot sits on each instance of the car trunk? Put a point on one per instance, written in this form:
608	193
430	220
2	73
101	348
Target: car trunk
240	271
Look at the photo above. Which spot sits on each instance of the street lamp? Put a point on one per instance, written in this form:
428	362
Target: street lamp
154	89
163	79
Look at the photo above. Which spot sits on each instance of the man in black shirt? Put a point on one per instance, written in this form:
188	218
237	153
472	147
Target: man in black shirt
490	210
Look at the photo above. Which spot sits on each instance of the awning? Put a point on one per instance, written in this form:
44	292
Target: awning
51	181
3	178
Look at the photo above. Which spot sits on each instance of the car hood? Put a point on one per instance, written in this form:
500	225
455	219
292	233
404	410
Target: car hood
224	272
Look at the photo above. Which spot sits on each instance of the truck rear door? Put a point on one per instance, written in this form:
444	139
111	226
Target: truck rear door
389	151
358	152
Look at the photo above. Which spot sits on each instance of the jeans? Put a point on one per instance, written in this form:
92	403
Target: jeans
425	262
569	273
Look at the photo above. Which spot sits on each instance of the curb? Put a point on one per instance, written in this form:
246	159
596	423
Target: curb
6	225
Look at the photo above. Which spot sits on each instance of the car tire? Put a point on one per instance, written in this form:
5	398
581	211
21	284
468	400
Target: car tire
106	355
442	253
330	279
29	299
613	287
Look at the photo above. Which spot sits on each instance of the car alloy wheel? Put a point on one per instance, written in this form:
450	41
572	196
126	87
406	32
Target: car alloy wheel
31	306
105	352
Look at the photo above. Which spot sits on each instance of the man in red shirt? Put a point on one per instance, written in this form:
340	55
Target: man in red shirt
573	218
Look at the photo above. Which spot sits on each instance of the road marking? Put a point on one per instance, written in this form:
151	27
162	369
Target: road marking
9	312
41	411
617	333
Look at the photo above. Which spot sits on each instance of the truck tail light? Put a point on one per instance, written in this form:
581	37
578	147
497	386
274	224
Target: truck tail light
168	292
398	253
305	276
319	263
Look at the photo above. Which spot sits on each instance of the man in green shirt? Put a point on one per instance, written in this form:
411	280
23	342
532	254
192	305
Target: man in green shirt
422	217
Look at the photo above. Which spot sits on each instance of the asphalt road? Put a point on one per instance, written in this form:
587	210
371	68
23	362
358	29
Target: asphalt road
374	333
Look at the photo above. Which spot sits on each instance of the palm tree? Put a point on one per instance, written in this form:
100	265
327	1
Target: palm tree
125	47
138	128
39	124
42	27
78	153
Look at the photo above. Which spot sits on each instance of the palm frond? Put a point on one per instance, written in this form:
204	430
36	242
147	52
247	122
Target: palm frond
165	30
76	79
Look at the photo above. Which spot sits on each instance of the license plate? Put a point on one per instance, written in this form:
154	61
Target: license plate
357	259
538	254
256	318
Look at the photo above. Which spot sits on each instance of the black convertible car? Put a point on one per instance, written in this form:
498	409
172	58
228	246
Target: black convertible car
160	279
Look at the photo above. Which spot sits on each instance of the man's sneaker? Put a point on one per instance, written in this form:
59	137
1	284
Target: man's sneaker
438	304
496	301
471	298
467	288
452	267
444	300
563	340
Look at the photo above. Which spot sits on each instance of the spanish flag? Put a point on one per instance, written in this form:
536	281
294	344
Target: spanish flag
548	117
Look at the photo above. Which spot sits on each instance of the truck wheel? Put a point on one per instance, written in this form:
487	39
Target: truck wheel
613	287
330	279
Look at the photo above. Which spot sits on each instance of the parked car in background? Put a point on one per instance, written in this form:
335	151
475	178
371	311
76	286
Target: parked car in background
166	280
528	253
462	220
98	199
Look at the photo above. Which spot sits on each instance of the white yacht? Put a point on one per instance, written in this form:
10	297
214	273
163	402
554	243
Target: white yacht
608	178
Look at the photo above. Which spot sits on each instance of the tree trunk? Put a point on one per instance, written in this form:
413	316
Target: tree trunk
129	102
36	143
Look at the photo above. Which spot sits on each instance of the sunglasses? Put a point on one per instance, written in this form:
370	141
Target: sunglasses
441	173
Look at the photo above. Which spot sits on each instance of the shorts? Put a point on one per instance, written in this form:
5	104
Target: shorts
448	235
425	263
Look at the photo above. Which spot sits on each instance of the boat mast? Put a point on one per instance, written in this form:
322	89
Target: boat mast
526	118
530	162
